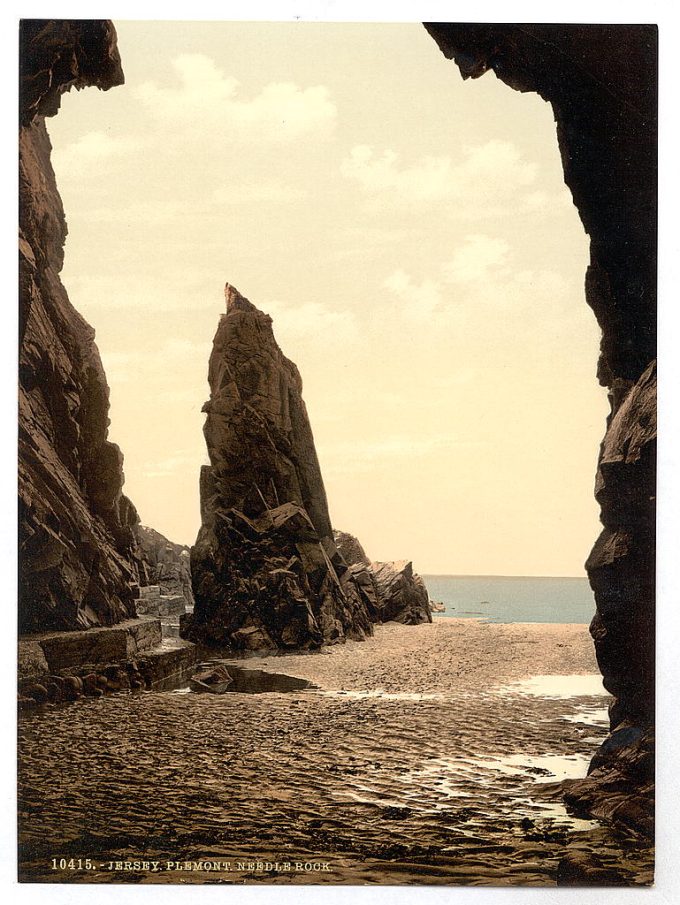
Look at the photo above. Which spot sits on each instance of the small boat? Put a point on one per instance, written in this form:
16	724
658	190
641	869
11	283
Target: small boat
216	688
211	679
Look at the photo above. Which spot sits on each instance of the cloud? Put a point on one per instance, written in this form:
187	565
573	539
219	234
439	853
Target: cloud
150	213
489	172
480	279
171	465
476	258
311	319
351	456
177	289
282	111
126	367
418	302
267	192
92	148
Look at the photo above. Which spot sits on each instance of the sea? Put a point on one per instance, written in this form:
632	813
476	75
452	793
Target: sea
501	598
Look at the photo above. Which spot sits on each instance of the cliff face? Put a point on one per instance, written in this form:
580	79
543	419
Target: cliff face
76	543
601	83
164	564
265	568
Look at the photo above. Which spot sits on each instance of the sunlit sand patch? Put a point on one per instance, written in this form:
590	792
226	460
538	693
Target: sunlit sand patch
542	767
553	686
589	716
557	812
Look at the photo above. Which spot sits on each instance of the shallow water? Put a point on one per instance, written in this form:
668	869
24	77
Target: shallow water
594	716
244	681
504	599
456	786
569	686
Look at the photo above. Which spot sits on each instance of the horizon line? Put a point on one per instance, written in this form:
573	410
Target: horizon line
479	575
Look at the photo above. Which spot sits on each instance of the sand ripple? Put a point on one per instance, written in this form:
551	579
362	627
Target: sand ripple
429	777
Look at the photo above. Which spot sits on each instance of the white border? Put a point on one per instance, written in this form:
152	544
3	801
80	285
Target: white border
591	11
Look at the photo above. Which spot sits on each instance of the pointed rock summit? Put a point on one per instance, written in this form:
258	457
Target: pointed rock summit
266	571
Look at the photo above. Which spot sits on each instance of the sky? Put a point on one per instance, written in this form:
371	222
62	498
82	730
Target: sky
413	240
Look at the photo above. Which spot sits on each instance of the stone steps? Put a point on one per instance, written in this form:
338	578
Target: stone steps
153	602
50	652
61	653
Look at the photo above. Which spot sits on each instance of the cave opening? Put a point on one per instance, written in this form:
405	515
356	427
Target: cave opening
386	206
429	281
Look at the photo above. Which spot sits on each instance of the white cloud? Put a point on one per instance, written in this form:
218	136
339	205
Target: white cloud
480	279
171	465
293	323
92	148
150	213
350	456
280	112
126	367
476	258
268	192
418	302
176	289
488	173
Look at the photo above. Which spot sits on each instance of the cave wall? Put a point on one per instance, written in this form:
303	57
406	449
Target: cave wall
77	550
164	563
601	81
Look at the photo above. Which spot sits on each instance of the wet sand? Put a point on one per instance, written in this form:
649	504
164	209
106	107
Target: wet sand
421	756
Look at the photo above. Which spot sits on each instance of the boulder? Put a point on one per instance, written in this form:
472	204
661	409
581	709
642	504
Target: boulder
402	594
392	590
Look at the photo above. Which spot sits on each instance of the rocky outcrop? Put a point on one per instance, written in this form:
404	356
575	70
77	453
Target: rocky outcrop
350	549
76	540
265	568
394	592
60	54
601	83
164	564
620	784
402	594
620	566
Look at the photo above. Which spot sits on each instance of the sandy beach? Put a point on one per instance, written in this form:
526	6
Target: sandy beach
425	755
